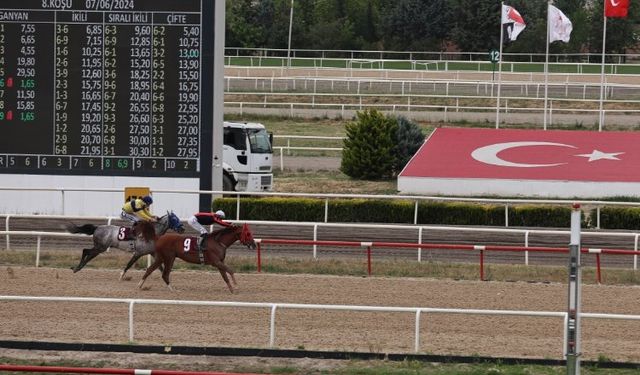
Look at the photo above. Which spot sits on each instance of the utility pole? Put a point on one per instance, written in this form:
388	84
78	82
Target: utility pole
289	45
573	311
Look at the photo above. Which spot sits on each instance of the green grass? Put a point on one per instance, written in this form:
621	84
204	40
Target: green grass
452	65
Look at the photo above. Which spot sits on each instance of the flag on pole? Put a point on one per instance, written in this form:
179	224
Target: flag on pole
512	22
616	8
560	26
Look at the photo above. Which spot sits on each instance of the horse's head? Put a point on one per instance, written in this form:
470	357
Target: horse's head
246	237
170	221
174	222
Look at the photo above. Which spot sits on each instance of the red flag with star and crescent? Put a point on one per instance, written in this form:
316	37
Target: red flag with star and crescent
528	155
616	8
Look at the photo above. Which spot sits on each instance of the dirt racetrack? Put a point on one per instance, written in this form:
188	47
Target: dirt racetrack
510	336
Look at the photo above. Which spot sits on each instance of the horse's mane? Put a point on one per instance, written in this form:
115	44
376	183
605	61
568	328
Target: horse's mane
147	230
220	232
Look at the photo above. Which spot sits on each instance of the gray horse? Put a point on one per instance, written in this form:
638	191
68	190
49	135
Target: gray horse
105	236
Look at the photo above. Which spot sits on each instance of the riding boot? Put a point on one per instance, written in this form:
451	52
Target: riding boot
203	247
203	239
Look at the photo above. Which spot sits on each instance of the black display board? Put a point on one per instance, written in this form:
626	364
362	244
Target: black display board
106	87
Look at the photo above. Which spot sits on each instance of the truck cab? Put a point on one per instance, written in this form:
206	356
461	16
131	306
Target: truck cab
247	157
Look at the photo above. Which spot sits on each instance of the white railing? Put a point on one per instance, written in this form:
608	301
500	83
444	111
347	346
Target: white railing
328	196
446	113
634	237
409	63
298	53
274	307
560	85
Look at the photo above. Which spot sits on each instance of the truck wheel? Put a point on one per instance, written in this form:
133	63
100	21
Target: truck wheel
227	183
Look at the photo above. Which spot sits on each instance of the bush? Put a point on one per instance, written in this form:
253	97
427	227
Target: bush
371	211
409	138
459	214
536	216
368	150
401	211
619	217
274	209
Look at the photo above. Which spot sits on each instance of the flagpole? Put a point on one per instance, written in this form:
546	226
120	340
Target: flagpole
604	40
499	67
546	72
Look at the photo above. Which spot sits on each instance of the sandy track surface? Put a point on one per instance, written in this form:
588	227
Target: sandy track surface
527	337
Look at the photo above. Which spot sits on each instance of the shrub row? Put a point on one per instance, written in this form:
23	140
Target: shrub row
402	212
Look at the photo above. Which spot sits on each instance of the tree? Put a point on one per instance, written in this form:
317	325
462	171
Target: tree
368	151
476	24
242	28
620	31
409	138
415	25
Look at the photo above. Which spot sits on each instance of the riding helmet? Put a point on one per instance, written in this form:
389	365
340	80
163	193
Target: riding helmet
220	214
147	199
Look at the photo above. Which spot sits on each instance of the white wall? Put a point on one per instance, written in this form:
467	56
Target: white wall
97	203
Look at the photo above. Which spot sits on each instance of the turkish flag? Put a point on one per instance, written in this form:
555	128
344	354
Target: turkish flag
616	8
566	155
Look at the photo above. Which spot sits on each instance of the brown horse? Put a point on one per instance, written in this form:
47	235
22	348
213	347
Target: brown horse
170	246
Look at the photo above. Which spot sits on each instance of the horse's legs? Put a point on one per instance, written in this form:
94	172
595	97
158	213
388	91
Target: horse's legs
87	255
134	258
224	270
168	265
153	267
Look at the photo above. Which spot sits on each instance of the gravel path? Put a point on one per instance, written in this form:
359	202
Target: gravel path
483	335
307	163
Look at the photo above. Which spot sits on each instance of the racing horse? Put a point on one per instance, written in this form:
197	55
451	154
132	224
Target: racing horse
105	236
170	246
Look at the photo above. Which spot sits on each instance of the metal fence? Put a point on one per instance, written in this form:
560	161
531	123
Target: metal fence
418	312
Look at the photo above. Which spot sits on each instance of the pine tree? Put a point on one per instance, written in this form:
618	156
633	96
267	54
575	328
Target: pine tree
409	139
368	151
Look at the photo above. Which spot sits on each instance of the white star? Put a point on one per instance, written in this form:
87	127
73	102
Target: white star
597	155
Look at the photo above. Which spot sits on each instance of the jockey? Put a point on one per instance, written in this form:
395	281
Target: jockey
206	218
138	209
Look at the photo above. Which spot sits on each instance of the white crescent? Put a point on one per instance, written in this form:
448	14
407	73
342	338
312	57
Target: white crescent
489	154
615	3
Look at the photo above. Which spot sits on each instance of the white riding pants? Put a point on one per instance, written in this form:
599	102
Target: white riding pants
193	223
127	216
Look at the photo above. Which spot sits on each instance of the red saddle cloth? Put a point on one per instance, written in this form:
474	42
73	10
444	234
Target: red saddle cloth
125	234
190	244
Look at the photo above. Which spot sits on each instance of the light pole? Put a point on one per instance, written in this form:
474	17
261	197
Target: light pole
290	26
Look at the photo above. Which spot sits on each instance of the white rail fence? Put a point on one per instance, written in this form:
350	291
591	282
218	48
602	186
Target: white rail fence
528	86
437	112
441	56
419	312
634	237
327	197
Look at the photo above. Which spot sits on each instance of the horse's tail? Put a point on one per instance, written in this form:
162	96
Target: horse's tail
84	229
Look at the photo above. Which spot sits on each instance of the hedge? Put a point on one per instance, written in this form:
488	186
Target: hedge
618	217
399	211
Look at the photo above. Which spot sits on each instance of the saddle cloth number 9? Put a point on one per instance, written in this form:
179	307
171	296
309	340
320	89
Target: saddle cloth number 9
189	243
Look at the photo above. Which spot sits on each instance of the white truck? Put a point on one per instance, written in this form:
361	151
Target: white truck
247	157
